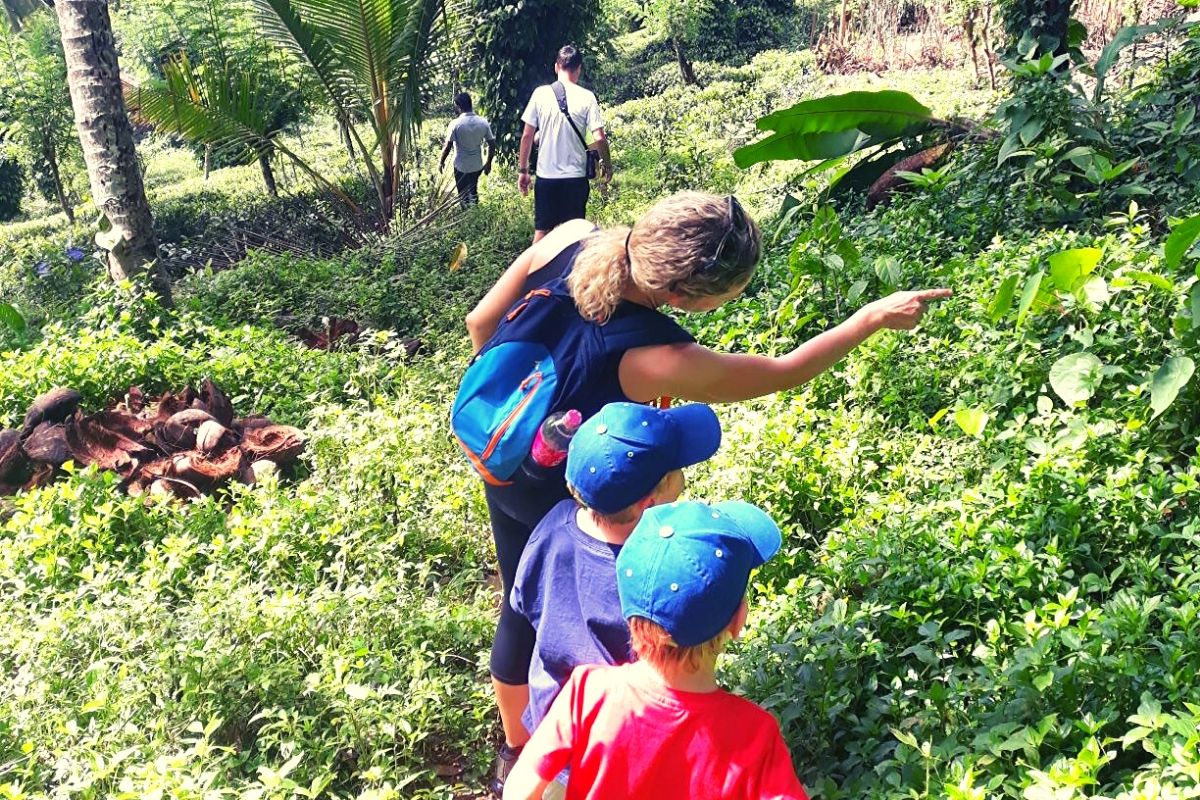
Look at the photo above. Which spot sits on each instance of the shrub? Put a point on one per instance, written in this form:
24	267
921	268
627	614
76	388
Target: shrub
11	188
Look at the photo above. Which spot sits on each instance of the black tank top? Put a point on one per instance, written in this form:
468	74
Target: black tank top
554	268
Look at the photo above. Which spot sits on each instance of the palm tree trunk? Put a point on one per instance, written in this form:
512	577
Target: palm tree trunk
207	160
264	161
94	78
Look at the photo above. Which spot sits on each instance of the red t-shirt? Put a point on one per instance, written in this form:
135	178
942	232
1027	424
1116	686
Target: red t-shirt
624	735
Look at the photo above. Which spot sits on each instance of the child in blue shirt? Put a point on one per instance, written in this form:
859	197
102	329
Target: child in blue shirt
625	459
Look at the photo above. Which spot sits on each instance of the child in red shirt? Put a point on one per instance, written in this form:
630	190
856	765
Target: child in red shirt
661	728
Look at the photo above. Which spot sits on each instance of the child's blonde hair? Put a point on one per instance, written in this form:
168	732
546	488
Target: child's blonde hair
654	645
672	248
628	514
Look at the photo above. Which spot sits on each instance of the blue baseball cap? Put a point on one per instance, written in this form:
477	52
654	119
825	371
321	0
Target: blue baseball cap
619	455
687	564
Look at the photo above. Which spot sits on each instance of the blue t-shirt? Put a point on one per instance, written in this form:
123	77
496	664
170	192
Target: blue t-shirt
566	586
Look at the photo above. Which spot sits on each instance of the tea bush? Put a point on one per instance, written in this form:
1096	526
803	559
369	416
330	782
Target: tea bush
410	284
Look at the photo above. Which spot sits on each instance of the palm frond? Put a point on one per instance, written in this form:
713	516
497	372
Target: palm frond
415	64
217	108
288	24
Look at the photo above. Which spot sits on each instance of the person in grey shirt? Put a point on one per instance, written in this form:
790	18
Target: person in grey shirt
466	133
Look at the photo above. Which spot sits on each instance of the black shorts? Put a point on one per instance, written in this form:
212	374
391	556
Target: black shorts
558	200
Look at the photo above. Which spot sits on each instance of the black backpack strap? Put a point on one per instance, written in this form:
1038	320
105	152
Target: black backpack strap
560	94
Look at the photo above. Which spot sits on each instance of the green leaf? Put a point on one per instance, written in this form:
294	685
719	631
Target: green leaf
1121	39
936	418
1003	300
1195	305
1172	376
972	421
1028	294
1182	237
1076	377
905	737
1148	278
882	113
1069	267
1010	147
12	319
1094	291
887	269
800	146
831	126
1042	682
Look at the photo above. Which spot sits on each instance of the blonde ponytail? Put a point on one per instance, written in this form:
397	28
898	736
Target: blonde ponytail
600	274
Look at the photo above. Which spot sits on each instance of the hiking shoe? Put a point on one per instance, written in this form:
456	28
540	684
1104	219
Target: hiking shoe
506	758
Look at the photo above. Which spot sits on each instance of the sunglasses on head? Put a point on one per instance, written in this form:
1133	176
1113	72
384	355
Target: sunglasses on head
737	221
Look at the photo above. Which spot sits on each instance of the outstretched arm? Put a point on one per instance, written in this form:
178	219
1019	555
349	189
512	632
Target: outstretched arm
693	372
445	153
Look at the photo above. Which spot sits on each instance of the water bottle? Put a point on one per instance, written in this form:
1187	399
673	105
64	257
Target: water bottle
550	444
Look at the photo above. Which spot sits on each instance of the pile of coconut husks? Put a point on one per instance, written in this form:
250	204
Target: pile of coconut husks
183	444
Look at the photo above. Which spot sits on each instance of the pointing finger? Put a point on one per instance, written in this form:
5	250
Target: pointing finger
934	294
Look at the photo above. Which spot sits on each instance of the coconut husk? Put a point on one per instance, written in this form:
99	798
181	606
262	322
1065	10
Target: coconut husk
171	404
195	468
132	427
173	487
212	437
184	444
254	473
135	400
12	457
43	475
91	443
178	432
47	444
282	444
53	406
216	402
325	337
414	348
146	473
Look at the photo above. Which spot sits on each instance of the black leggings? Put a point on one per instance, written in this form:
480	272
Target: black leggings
515	511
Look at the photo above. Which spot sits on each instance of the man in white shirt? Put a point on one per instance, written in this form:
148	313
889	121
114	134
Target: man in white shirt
466	133
562	189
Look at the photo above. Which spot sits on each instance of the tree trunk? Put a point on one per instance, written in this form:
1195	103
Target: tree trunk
207	161
969	35
94	78
986	31
52	162
264	161
685	66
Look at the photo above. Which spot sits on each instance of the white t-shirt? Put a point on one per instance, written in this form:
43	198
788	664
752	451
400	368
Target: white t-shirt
560	153
468	132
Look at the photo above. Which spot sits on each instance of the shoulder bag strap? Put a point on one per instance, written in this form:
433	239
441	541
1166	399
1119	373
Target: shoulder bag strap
560	94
